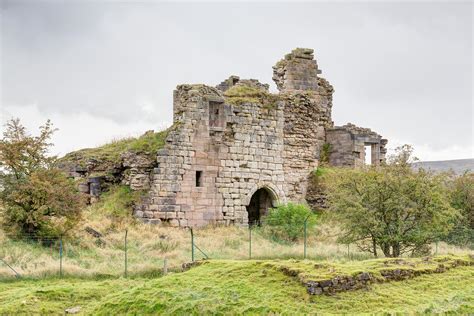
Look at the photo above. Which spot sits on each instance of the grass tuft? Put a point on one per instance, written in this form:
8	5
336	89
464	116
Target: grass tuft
243	94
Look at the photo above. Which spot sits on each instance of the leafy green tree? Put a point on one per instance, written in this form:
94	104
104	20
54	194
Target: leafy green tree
286	221
391	207
36	197
462	198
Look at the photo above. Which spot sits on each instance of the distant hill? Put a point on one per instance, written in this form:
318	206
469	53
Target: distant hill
458	166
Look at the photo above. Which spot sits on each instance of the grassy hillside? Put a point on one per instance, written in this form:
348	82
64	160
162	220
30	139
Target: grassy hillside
235	287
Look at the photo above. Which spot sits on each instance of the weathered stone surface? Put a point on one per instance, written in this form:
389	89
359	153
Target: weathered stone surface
297	71
348	145
236	81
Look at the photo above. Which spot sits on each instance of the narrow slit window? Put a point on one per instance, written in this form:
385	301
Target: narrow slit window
198	178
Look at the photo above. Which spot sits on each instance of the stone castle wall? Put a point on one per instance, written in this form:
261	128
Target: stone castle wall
235	153
348	146
236	149
222	151
307	116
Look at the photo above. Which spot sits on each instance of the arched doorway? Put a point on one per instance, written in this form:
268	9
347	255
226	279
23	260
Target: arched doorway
259	204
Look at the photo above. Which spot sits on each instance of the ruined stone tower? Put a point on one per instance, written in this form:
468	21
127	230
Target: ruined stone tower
235	150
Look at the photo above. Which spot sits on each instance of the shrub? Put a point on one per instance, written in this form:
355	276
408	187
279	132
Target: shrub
286	221
391	207
36	197
462	199
46	203
117	203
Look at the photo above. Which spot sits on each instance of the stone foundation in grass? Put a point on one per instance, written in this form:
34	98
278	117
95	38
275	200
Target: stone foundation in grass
389	270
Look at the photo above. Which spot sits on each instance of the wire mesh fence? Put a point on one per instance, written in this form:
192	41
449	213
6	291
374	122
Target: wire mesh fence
151	251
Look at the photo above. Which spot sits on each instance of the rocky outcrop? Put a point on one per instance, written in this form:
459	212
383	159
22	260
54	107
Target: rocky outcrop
95	170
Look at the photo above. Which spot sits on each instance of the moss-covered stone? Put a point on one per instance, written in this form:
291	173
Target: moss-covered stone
243	94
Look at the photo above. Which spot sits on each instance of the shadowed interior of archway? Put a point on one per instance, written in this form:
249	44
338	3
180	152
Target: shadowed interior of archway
259	204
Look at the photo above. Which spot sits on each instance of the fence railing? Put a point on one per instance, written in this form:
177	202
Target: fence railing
138	251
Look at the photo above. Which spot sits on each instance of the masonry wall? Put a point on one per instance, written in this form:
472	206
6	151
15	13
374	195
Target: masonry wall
307	116
223	146
348	146
238	153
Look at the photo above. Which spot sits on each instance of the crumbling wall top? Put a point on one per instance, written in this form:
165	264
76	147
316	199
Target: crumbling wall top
197	89
236	81
298	71
357	131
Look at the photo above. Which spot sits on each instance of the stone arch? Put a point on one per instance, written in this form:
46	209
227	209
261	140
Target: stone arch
259	199
277	194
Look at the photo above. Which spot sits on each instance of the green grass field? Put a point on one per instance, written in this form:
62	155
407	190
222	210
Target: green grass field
236	287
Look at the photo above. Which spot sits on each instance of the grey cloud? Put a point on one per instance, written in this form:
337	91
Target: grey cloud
403	69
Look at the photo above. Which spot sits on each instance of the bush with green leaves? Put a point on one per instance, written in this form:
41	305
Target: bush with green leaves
118	201
286	221
36	198
462	198
391	207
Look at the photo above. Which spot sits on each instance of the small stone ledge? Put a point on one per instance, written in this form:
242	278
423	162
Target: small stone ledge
362	280
188	265
342	283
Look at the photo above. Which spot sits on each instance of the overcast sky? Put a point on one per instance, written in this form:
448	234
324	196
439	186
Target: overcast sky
103	69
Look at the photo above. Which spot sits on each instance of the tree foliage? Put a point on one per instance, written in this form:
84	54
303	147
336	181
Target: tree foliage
391	207
286	221
462	198
21	153
36	197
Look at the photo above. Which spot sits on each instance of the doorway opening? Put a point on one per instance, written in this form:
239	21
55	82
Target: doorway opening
368	154
259	205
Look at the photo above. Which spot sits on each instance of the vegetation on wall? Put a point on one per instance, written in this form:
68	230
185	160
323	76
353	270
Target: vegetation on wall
110	152
244	94
36	197
117	204
325	152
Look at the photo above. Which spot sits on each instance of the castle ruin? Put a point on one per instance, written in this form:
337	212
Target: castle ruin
235	150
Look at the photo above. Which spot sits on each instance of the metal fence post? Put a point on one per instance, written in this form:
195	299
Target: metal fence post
436	252
126	258
192	246
250	241
61	256
165	266
305	236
